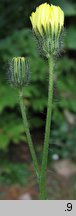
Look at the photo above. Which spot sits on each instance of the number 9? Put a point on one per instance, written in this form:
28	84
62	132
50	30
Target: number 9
69	206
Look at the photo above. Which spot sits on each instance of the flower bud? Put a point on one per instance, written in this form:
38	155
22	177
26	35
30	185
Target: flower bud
47	22
19	72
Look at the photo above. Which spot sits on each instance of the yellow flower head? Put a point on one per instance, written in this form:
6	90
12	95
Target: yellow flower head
49	18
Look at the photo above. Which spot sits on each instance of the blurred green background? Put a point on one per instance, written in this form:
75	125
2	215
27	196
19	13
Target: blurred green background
16	39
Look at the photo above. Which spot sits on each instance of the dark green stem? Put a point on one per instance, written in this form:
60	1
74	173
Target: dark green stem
29	139
42	183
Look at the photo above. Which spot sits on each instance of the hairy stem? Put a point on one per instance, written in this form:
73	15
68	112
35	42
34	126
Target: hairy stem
42	183
29	139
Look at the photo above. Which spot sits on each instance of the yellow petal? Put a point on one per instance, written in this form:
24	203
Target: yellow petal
48	16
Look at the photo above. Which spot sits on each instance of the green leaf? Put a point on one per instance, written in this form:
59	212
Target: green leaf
11	129
70	38
8	97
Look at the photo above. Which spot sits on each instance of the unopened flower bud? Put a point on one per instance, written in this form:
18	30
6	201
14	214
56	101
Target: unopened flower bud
47	22
19	72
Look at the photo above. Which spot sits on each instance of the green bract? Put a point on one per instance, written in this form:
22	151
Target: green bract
19	72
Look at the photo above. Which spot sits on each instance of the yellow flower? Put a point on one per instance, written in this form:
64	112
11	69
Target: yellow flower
47	17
